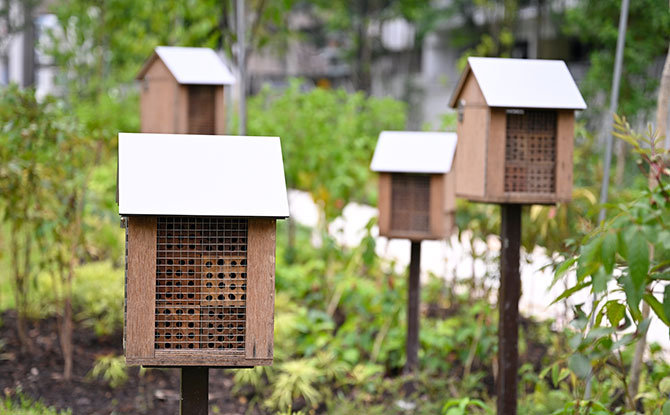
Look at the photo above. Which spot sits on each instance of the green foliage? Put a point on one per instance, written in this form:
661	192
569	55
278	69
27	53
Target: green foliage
465	406
22	405
41	152
98	297
631	248
493	38
328	137
648	31
103	44
111	369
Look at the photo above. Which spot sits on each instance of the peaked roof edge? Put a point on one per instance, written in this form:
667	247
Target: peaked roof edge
433	163
173	71
147	64
453	100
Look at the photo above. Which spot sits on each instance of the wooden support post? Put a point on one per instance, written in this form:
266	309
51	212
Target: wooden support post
194	390
508	308
413	302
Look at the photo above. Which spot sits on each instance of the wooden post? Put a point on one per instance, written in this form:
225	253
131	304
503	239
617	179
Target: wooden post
194	390
413	301
508	308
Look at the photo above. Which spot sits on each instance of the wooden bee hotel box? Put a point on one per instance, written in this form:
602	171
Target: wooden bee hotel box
200	216
416	188
182	91
515	130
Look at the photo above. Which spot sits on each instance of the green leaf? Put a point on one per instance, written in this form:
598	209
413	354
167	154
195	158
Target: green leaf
615	312
608	251
633	296
589	256
666	408
570	291
579	365
664	386
638	258
554	374
666	301
562	269
600	280
657	307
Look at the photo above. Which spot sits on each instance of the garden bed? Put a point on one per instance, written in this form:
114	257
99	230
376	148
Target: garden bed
38	375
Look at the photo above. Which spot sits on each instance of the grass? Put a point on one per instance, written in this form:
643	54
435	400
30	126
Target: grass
22	405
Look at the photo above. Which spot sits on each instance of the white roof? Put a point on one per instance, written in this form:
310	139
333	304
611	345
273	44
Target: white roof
201	175
414	152
524	83
200	66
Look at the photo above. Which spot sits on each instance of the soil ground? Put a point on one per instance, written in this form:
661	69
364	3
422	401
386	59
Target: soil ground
38	375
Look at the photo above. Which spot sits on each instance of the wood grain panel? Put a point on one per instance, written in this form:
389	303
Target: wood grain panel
141	294
180	112
471	92
210	358
564	155
260	288
156	99
470	159
449	203
495	158
201	109
519	198
384	203
450	192
437	205
219	111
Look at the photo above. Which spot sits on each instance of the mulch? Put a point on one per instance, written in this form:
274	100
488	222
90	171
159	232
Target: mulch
38	375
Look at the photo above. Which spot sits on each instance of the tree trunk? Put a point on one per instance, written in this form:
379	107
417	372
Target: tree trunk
20	277
67	324
66	337
662	110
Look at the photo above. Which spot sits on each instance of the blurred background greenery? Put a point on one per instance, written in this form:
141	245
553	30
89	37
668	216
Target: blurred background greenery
340	310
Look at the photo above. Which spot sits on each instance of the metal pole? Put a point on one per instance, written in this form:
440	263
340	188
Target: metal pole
242	65
614	102
194	390
413	301
508	308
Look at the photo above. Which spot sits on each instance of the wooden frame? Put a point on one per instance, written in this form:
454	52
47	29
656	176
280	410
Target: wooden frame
441	210
141	301
480	157
164	106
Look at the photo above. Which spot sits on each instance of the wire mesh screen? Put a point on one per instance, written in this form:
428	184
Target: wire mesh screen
530	152
201	102
201	283
410	202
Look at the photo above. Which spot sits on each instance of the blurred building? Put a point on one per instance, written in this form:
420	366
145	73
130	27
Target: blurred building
421	73
433	78
310	53
21	61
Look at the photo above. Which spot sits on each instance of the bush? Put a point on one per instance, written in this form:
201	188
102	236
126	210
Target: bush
328	137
